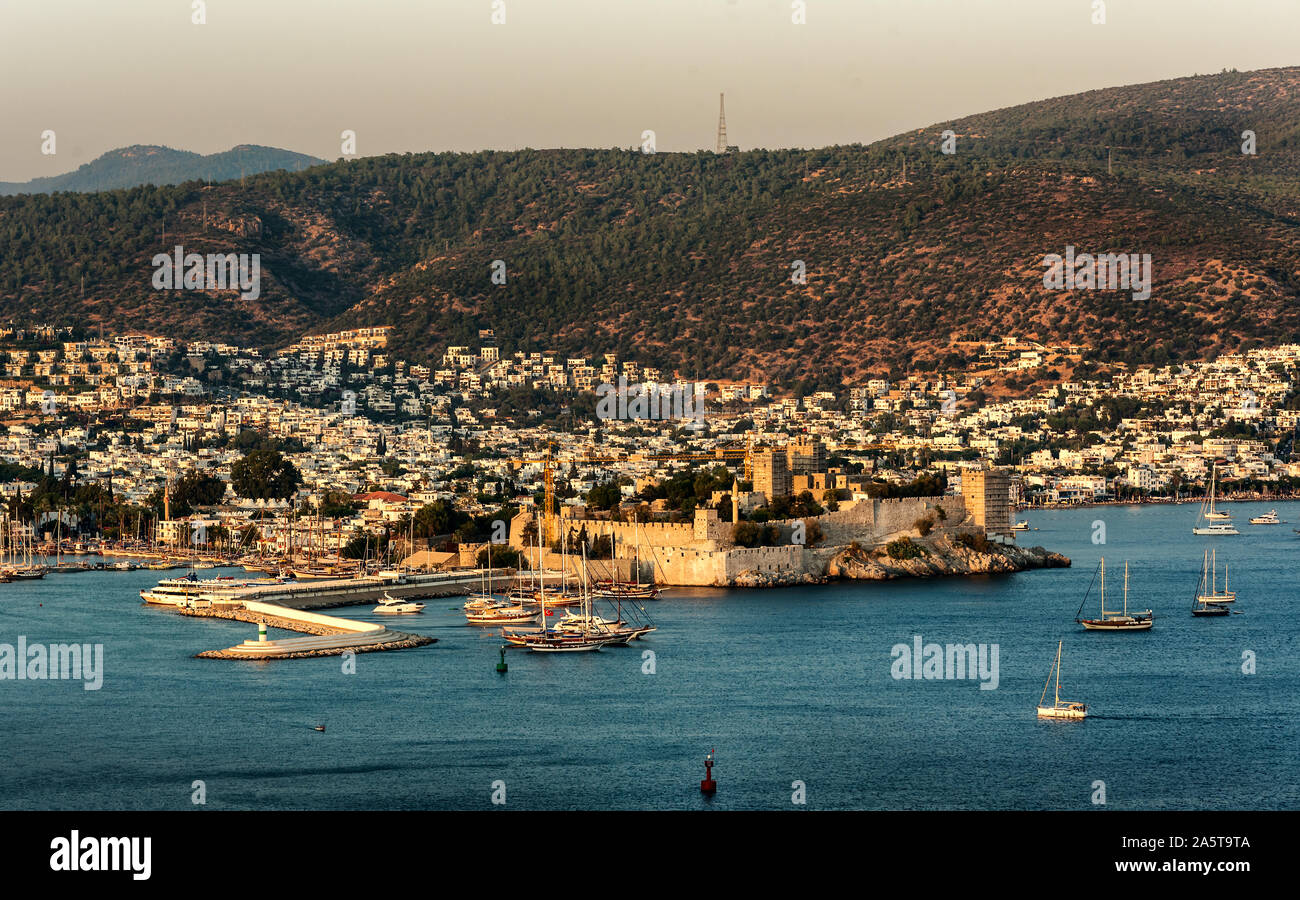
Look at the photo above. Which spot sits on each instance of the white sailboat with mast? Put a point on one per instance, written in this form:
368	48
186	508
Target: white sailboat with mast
1208	592
1060	709
1216	522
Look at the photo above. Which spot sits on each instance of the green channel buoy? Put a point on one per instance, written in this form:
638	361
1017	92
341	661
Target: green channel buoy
501	666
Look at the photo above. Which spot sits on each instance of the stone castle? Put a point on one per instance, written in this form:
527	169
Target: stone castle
702	552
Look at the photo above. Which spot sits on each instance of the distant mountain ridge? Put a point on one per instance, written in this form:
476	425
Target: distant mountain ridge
140	164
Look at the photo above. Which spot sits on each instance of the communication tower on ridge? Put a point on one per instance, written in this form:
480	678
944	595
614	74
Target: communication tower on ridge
723	146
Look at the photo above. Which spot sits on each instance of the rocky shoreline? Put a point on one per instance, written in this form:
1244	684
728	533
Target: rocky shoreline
936	556
942	556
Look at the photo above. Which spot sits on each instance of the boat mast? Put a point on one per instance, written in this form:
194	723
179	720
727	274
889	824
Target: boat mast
1043	696
1058	673
1103	587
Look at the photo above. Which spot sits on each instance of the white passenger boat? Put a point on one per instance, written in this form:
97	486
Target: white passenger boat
187	590
391	605
1269	518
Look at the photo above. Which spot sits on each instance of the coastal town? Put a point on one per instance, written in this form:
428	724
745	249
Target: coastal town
147	443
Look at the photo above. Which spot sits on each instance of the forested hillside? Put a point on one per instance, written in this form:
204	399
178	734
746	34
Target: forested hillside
684	260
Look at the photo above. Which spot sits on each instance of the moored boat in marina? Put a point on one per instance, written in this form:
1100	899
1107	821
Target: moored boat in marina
583	633
500	615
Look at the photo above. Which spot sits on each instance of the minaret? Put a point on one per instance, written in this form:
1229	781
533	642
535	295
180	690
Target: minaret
735	502
722	123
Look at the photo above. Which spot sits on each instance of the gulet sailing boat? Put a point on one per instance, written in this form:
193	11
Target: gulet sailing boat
1116	621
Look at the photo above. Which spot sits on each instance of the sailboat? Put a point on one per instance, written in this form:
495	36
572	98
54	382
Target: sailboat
618	630
587	636
1060	709
1216	522
1212	602
1116	621
21	566
484	599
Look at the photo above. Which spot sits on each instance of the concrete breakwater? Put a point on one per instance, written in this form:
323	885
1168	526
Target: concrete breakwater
329	636
289	605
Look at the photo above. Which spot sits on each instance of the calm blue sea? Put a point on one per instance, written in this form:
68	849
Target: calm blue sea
788	685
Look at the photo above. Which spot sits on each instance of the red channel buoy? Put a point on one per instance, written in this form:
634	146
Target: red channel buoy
708	785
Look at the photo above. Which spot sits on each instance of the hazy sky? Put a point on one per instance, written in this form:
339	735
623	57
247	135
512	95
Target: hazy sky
438	75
